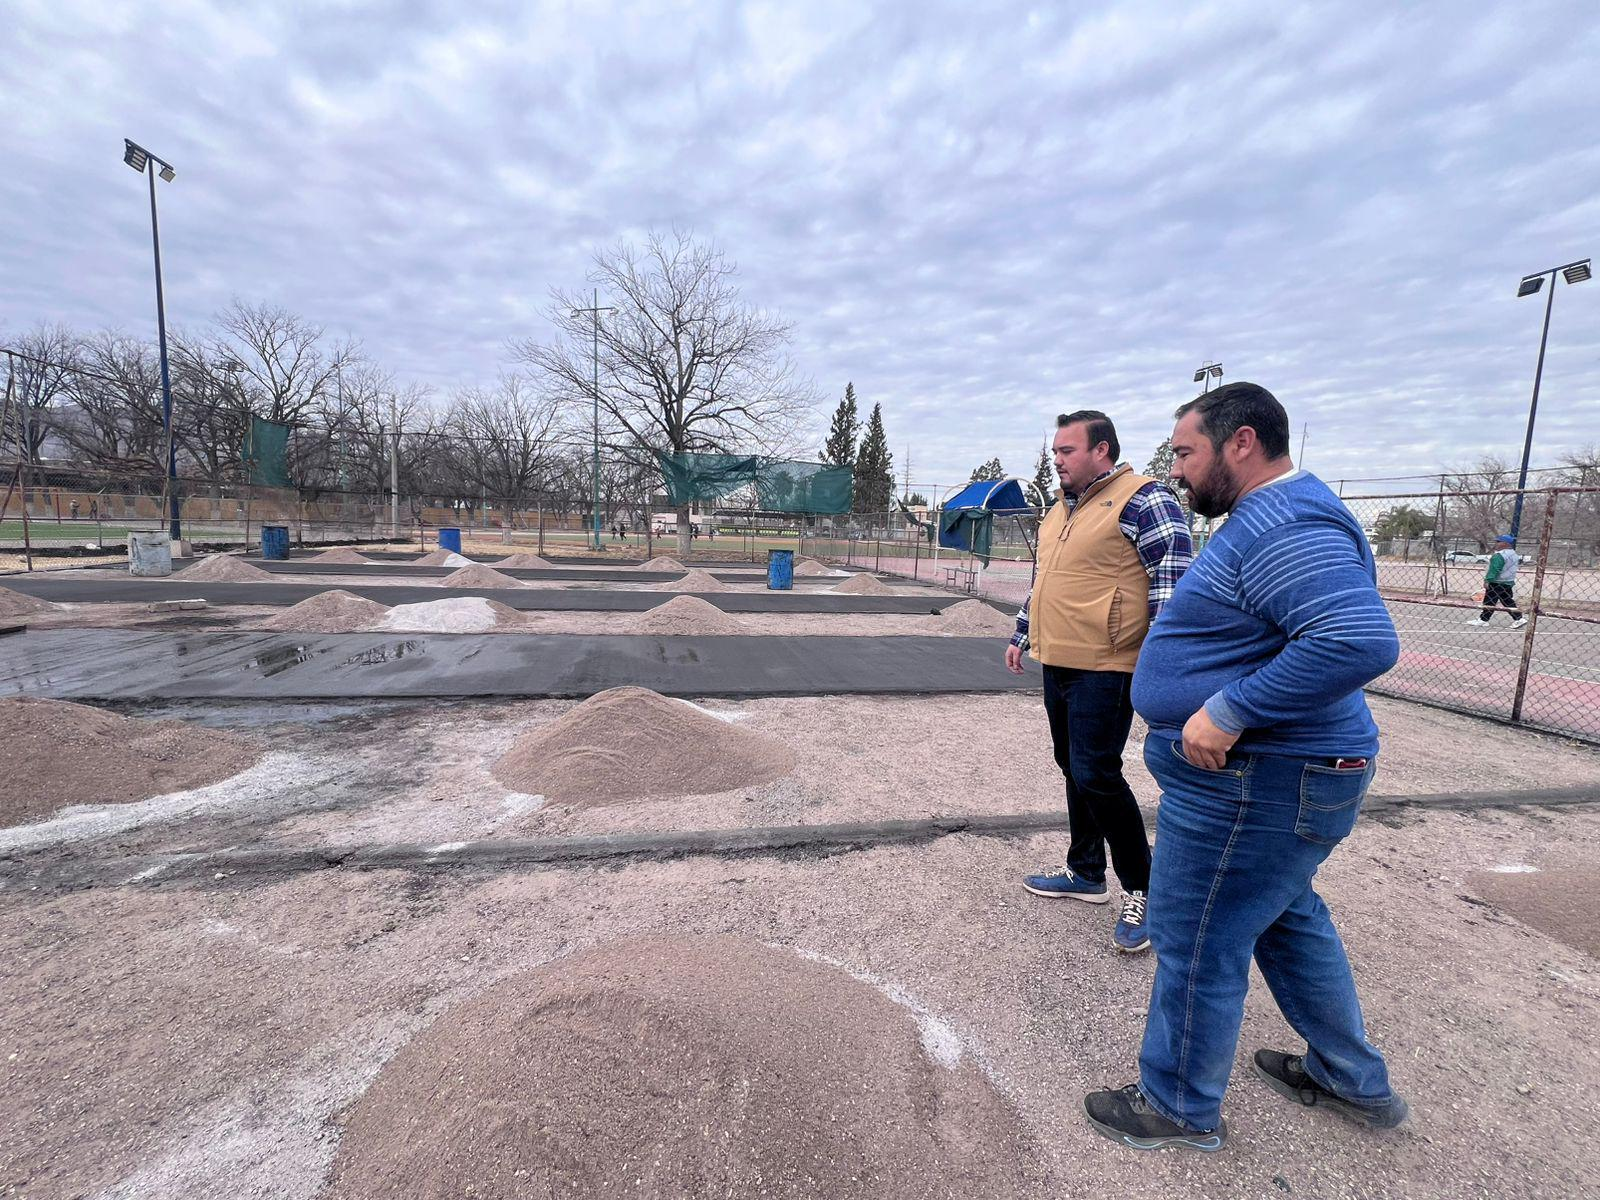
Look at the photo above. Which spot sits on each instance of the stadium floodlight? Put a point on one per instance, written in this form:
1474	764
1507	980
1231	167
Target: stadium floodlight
141	160
1207	372
1200	374
1572	272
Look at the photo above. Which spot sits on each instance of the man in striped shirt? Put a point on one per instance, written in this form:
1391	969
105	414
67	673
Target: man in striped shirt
1262	743
1110	553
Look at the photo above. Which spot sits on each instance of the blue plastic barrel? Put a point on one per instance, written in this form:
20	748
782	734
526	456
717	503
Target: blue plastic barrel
450	539
780	570
275	541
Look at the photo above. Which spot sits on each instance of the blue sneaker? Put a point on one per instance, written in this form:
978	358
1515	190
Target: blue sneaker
1130	936
1056	884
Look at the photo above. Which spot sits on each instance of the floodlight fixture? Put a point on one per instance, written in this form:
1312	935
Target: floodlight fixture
135	156
1530	285
1200	374
1207	372
1576	272
167	173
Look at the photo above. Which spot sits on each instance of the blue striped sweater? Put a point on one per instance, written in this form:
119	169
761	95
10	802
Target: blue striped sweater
1274	630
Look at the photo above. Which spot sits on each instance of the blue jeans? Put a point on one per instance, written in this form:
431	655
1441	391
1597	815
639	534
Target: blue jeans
1235	853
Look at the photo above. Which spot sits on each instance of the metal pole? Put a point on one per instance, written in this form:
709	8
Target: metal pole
1545	536
596	517
394	472
174	529
1533	408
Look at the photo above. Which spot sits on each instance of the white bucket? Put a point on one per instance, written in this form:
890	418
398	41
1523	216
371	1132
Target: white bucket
149	554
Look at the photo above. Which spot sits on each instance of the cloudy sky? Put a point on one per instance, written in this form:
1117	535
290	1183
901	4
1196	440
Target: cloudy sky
980	213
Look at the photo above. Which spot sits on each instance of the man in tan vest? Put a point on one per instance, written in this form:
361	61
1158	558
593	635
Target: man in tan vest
1110	552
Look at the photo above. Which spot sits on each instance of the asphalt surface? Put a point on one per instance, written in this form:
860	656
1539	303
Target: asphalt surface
399	570
125	664
81	588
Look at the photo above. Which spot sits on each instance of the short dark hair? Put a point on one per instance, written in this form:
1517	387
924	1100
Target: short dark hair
1100	429
1233	406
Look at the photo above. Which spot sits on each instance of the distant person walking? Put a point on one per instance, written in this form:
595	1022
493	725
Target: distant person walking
1110	552
1264	748
1500	582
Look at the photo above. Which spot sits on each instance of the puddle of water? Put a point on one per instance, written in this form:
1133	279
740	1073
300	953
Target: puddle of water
275	662
388	652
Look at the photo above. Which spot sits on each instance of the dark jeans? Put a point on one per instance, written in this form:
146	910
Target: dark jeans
1090	712
1496	594
1236	850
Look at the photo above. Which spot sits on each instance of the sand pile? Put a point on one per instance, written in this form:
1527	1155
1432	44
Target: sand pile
628	743
662	1067
53	754
663	562
972	618
20	604
479	576
333	611
685	614
340	554
810	566
441	558
694	580
462	614
522	561
863	585
223	568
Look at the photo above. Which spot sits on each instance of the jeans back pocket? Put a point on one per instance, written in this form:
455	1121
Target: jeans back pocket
1330	801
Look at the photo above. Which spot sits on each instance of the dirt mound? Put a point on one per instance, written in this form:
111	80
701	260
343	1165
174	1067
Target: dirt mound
53	753
522	561
971	618
461	614
479	576
663	562
863	585
223	568
339	554
664	1067
441	558
694	580
20	604
628	743
810	566
334	611
685	614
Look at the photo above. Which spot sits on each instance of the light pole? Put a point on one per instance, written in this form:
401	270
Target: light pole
1573	272
1207	372
595	312
144	162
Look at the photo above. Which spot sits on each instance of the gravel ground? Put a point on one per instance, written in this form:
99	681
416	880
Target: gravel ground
186	1043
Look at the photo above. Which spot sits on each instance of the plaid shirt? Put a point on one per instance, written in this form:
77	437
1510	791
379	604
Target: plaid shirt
1155	524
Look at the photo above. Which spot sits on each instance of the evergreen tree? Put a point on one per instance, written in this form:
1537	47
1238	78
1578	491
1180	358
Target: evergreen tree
1160	467
840	448
1044	475
916	500
989	470
874	468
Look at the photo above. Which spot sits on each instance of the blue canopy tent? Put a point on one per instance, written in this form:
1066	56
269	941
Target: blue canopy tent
966	519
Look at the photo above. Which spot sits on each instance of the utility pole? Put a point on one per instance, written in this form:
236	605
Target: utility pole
1300	460
906	494
595	310
394	470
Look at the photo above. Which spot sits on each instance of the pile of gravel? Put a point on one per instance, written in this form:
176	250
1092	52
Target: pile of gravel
340	554
522	561
479	576
685	615
663	562
863	585
810	566
442	558
333	611
971	618
223	568
694	580
670	1067
20	604
53	753
461	614
629	743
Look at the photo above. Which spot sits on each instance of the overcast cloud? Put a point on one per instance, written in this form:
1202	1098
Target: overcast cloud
982	214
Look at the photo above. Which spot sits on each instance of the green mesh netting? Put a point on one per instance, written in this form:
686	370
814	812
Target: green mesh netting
781	486
266	453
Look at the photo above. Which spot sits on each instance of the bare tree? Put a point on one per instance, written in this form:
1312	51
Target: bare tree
42	371
114	416
1470	514
685	363
281	358
503	440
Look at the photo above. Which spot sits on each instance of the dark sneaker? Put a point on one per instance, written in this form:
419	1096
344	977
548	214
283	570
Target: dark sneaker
1130	936
1286	1075
1124	1116
1064	883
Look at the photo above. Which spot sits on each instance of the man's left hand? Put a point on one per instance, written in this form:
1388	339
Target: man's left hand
1204	745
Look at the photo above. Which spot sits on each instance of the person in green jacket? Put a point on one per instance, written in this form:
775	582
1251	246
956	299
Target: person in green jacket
1499	583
